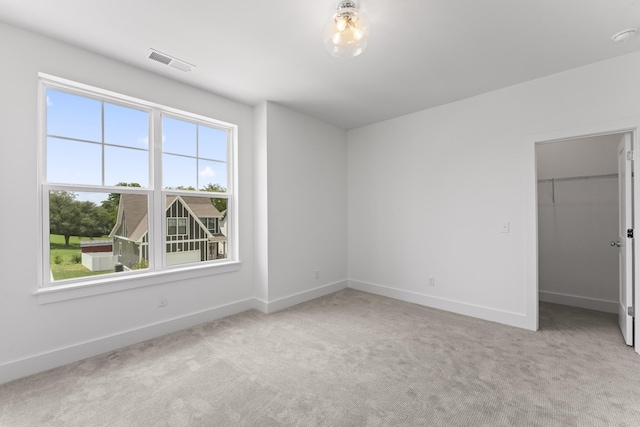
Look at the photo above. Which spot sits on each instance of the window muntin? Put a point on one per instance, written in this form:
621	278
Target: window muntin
194	155
134	135
64	108
94	141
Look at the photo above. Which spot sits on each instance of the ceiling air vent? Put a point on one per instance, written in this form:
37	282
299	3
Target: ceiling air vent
169	60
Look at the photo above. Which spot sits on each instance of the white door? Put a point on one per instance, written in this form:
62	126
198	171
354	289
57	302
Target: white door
625	244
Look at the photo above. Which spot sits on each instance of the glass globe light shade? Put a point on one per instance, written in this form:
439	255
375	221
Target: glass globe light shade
347	31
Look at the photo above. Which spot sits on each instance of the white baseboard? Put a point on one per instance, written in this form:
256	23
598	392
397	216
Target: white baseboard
52	359
486	313
576	301
269	307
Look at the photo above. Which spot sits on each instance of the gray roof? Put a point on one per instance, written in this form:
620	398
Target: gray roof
201	206
132	210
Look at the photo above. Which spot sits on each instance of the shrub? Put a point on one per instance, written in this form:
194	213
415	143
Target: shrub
57	259
143	263
76	258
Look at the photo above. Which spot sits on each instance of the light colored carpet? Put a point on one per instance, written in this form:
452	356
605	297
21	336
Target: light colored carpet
348	359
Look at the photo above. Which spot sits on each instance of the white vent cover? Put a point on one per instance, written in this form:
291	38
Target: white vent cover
169	60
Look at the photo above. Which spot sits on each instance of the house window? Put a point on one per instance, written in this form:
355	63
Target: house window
176	226
211	224
111	167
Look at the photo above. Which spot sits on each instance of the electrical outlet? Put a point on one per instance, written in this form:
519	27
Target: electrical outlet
432	281
316	274
162	302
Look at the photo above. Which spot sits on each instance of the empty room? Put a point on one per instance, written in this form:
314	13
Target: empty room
340	213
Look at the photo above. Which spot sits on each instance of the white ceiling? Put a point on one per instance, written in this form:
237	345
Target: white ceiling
422	53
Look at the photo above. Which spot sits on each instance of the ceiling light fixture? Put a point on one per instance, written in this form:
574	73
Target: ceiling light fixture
347	31
623	35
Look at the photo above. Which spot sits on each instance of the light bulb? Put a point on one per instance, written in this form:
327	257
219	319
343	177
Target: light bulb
341	24
347	31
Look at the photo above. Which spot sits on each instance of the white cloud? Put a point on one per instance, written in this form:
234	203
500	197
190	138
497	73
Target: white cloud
207	173
49	102
143	141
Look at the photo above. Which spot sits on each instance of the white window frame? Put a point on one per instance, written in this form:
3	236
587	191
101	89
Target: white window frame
158	272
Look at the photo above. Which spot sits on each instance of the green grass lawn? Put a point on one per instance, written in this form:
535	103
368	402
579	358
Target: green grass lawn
67	268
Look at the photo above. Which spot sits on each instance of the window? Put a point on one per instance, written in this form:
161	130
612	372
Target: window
112	167
211	224
176	226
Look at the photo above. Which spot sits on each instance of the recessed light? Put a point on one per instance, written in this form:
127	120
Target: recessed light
623	35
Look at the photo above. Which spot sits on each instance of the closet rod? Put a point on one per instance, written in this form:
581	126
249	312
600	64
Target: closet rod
573	178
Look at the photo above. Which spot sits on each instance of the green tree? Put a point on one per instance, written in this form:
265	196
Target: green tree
220	204
94	221
61	214
70	217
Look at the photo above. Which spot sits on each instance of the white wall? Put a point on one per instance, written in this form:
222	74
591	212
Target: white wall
37	336
426	195
448	176
577	219
261	206
306	167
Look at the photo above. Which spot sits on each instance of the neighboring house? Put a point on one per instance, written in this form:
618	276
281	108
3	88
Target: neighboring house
222	246
193	231
203	232
130	233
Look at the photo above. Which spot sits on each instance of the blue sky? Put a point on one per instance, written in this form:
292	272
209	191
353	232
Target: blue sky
193	155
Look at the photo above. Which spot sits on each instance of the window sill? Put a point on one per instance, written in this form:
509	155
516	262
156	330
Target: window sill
57	293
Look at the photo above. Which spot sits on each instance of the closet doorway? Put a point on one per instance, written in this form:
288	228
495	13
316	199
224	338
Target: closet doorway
583	256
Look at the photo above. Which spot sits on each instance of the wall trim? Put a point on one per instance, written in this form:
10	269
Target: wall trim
269	307
577	301
52	359
486	313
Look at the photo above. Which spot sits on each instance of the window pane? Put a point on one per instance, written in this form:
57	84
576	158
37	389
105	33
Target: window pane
84	229
182	226
212	143
172	226
179	172
73	116
126	126
73	162
178	137
125	165
212	176
194	230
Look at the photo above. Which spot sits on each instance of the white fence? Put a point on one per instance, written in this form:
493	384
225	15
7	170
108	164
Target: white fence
99	261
